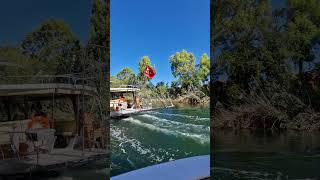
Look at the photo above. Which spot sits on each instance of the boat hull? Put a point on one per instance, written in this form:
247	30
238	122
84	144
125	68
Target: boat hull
193	168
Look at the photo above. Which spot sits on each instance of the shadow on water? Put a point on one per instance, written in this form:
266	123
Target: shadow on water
248	155
94	170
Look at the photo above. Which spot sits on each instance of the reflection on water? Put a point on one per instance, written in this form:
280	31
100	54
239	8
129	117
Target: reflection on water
94	170
159	136
247	155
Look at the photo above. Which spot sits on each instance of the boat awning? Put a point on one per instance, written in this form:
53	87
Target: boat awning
114	90
45	89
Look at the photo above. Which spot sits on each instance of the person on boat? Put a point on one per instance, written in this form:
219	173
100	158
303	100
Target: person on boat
122	102
122	99
39	119
138	103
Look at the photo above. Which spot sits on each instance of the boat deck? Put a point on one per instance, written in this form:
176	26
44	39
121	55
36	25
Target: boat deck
57	159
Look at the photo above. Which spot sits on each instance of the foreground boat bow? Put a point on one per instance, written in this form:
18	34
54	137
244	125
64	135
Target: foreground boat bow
193	168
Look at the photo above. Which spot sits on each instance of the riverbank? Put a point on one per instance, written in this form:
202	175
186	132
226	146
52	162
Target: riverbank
276	111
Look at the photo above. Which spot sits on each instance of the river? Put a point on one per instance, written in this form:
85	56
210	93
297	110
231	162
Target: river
159	136
248	155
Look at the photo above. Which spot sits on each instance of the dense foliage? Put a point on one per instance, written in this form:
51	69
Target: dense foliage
258	47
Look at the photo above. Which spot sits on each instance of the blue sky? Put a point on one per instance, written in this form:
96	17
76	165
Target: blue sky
157	29
20	17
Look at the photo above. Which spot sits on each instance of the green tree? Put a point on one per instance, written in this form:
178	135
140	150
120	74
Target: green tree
174	89
143	63
303	32
115	82
14	63
250	42
162	89
54	43
204	68
98	42
183	67
126	76
98	48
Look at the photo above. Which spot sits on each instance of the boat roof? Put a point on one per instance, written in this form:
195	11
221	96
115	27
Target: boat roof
122	89
45	89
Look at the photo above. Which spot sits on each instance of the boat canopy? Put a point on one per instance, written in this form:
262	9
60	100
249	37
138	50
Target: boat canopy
46	89
124	90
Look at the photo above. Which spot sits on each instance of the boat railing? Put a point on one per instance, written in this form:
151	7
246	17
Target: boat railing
74	79
123	85
47	140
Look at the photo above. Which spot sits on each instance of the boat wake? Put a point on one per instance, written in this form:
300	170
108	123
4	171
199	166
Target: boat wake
154	137
175	125
124	141
196	118
201	138
129	145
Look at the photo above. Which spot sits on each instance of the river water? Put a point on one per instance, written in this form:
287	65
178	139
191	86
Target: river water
248	155
159	136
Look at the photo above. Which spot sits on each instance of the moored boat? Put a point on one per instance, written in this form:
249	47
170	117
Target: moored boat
33	137
124	107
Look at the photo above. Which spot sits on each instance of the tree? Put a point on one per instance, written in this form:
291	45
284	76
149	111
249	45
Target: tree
174	89
303	32
183	68
162	89
126	76
204	68
98	42
54	43
14	63
251	44
143	63
98	48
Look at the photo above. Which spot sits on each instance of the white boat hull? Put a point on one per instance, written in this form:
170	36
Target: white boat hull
127	112
193	168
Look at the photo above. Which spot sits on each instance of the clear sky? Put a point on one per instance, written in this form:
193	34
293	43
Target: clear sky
158	29
20	17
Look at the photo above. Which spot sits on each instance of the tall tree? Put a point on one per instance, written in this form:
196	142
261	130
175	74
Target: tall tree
99	40
303	27
249	43
143	63
54	43
126	76
183	67
204	68
98	48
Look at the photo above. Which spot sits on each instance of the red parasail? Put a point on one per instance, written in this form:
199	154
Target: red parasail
149	72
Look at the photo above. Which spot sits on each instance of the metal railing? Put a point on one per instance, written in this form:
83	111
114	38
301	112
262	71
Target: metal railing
74	79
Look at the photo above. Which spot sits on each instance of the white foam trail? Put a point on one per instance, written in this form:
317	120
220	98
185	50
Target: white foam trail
131	163
179	125
118	135
203	139
179	115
